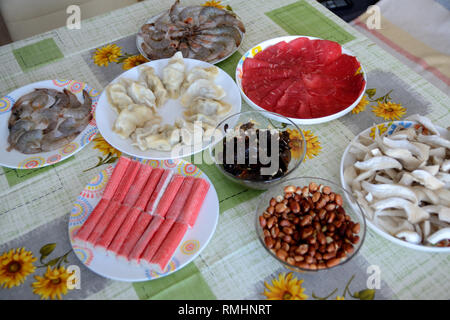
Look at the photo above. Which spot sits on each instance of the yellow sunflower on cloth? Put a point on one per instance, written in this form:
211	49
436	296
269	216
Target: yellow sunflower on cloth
286	287
361	106
104	147
389	110
133	61
312	144
15	266
109	53
53	284
213	3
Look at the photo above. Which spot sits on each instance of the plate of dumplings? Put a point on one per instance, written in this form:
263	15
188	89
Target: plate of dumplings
166	108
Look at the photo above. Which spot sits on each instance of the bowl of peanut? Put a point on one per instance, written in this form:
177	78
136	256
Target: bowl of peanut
307	225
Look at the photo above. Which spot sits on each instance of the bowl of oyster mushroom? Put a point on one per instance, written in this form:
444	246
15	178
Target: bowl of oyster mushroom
399	173
166	108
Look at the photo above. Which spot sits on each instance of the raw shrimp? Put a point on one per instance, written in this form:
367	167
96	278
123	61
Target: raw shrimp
30	142
199	32
45	118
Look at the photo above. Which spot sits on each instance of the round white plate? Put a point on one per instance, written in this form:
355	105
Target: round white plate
194	241
17	160
259	47
170	111
348	159
139	39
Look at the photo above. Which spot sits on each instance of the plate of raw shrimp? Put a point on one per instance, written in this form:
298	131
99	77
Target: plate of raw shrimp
46	122
200	32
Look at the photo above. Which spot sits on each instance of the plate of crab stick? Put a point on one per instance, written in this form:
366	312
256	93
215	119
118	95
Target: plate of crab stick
138	221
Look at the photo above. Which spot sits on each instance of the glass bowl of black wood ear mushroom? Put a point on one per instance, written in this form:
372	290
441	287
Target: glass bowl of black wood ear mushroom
307	225
251	149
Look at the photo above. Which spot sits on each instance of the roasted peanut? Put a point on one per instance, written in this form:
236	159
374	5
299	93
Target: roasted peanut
284	223
313	187
326	190
338	200
332	262
280	207
294	206
269	242
281	254
271	221
316	196
262	221
288	230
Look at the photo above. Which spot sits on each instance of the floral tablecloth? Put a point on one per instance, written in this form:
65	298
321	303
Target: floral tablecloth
35	205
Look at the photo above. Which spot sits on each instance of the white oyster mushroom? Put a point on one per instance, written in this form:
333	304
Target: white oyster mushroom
407	179
434	140
415	213
445	178
383	191
426	195
365	175
350	176
368	211
405	157
433	170
392	213
402	144
382	179
393	225
445	166
444	214
427	180
426	228
439	235
409	236
444	196
409	134
378	163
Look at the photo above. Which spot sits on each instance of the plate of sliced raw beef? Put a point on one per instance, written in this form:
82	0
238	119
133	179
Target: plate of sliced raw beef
306	79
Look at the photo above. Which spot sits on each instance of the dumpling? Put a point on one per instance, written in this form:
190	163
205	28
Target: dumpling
139	92
150	127
208	107
135	115
196	73
173	75
118	97
202	88
154	84
158	142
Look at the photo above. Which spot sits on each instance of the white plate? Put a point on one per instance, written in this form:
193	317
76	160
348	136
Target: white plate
259	47
17	160
139	39
348	159
169	112
194	241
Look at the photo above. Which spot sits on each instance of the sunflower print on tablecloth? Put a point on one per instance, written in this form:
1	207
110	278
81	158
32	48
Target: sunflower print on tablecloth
286	287
53	284
15	266
107	54
109	153
113	53
313	147
133	61
361	105
385	108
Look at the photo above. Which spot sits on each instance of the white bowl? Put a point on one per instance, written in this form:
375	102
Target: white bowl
348	158
261	46
170	111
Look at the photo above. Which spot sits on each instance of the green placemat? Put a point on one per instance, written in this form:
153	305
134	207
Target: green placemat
16	176
186	284
300	18
37	54
229	65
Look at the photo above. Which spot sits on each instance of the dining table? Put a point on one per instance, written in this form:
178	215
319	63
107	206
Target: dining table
36	201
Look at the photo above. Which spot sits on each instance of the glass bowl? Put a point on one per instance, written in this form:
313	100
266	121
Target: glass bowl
355	213
261	120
